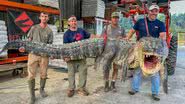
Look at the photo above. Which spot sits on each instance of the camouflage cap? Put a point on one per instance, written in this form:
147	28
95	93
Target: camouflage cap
115	14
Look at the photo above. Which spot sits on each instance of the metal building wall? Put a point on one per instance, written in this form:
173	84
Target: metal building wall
70	7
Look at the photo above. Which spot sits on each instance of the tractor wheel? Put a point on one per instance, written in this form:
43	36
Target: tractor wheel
172	56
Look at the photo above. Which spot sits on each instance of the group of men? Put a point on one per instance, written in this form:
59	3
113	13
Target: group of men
42	33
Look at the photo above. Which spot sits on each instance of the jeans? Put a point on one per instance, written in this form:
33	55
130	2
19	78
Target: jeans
137	78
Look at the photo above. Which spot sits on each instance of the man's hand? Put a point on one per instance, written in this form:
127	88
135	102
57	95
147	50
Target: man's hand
52	58
66	59
126	38
130	34
162	35
120	37
29	39
22	49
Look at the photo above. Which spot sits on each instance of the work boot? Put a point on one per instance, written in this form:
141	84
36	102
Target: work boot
70	93
132	92
31	84
155	97
112	86
106	88
82	91
42	86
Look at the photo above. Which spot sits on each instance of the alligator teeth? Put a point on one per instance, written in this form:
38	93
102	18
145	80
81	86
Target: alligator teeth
147	56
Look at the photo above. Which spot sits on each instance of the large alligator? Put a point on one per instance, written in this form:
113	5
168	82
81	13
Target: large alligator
148	53
75	50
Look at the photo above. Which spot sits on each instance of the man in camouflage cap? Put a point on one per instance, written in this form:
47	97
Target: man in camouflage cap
113	31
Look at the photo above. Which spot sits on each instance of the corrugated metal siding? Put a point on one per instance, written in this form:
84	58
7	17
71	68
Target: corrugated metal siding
71	7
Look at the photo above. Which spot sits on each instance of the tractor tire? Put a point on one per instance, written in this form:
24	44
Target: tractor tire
172	56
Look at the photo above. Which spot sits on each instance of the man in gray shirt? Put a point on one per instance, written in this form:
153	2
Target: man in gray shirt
39	33
113	31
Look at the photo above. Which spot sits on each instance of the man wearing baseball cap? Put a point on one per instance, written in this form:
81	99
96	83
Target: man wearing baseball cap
115	14
113	31
154	7
156	29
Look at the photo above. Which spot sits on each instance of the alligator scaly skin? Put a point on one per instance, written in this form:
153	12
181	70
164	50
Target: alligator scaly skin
115	50
76	50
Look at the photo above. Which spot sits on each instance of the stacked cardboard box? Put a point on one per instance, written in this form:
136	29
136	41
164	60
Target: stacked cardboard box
3	37
50	3
93	8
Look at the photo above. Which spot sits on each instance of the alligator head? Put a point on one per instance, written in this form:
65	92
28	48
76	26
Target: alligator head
151	54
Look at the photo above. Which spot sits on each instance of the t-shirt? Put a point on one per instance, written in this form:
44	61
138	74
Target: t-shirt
39	34
72	36
155	27
114	32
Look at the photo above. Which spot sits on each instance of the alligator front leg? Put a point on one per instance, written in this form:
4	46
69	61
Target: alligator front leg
124	68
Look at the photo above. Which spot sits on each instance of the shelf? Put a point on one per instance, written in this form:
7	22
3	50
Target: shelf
14	60
4	5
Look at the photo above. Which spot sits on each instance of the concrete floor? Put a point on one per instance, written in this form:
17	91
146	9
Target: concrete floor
14	90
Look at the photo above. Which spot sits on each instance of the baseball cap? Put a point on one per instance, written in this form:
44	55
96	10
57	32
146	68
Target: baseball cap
154	6
115	14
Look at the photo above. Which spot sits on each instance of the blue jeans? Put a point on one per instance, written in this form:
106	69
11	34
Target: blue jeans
137	78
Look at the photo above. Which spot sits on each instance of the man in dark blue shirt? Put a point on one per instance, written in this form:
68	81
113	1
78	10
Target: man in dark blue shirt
156	29
71	35
75	34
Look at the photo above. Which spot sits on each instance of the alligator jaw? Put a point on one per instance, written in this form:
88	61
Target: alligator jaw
150	63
